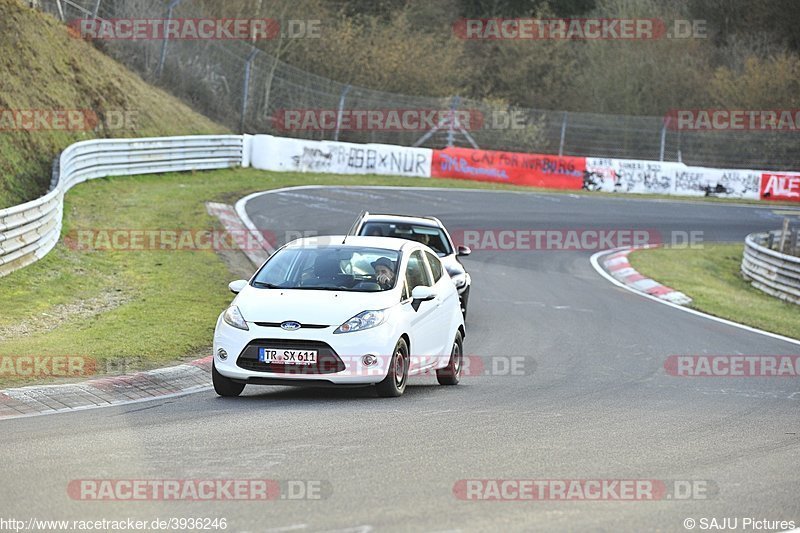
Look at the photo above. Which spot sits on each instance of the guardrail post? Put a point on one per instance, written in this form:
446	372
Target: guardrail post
246	87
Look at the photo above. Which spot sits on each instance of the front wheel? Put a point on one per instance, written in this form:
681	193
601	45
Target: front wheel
223	386
394	384
451	374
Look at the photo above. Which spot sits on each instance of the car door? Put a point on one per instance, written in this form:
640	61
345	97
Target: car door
447	304
423	315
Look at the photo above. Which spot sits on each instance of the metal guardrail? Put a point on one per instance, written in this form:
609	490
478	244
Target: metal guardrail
773	272
30	230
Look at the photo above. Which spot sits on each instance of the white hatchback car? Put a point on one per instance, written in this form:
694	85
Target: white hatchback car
342	311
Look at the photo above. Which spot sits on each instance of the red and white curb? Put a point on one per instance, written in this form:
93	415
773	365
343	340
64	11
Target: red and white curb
107	391
142	386
245	237
618	266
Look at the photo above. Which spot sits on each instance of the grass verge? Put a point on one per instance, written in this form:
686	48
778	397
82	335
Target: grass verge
130	310
710	276
135	310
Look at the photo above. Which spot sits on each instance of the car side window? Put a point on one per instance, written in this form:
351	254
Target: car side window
436	266
416	273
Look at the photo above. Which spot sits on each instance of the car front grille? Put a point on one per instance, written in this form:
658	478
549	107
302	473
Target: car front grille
328	362
278	324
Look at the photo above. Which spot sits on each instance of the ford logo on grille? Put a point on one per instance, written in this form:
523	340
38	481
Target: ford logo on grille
290	325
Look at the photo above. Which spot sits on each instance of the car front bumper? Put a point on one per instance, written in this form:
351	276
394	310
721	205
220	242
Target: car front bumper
348	348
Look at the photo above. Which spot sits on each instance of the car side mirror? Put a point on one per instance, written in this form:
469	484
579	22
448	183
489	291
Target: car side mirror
423	293
237	286
463	251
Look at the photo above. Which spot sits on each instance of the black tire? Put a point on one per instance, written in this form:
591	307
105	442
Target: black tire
451	374
394	384
223	386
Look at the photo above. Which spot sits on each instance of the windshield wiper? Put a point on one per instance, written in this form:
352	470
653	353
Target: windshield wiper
266	285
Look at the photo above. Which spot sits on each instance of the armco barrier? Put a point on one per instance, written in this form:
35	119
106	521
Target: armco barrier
30	230
773	272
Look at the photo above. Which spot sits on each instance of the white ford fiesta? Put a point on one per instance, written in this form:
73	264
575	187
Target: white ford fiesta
341	311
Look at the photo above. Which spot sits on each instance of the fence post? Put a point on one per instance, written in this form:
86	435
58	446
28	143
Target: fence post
663	138
246	86
563	134
340	112
451	123
172	5
60	11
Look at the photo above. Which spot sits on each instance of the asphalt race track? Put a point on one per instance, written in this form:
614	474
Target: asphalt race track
592	400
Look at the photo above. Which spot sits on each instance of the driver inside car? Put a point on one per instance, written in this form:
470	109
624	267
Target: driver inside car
384	272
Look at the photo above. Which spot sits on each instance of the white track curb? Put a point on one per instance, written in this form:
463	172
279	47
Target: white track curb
595	262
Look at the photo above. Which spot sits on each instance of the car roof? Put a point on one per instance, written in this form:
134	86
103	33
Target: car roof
386	243
407	219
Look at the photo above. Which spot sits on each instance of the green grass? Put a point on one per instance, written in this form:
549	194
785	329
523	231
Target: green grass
710	276
170	299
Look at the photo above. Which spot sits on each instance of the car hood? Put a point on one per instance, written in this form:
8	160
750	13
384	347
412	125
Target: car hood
330	308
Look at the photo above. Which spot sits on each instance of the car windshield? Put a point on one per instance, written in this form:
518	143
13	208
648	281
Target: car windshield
432	236
339	268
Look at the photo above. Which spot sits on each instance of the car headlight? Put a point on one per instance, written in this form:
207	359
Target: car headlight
233	317
460	280
362	321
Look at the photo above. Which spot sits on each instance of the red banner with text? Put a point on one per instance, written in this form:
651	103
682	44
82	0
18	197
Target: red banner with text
533	170
780	186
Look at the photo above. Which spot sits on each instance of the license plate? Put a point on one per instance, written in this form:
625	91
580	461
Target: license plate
285	356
